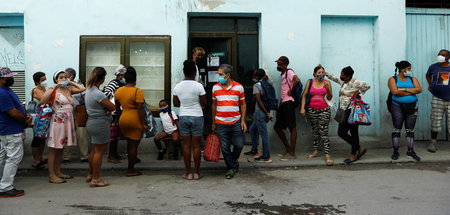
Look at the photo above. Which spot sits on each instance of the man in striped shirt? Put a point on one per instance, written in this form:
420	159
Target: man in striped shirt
115	136
228	114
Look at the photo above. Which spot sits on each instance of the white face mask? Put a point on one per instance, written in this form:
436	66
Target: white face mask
441	59
408	73
44	84
122	81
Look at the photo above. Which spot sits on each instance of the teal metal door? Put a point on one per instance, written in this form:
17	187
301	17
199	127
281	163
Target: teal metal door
350	41
428	31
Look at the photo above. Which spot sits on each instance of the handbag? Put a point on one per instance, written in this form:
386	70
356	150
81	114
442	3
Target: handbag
359	112
212	148
32	105
42	120
81	115
150	121
341	116
308	94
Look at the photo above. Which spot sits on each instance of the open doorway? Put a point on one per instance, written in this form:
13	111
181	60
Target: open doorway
227	39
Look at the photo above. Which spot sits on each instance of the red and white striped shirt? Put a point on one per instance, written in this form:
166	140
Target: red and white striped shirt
228	109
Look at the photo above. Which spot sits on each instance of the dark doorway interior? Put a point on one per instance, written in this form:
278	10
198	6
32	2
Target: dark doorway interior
231	40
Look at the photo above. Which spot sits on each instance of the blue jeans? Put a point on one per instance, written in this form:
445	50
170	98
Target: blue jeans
257	128
230	135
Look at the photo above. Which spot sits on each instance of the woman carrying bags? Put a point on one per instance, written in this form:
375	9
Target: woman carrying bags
349	88
319	90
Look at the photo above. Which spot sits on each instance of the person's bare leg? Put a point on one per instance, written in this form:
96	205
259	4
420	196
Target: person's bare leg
196	140
97	158
283	138
187	153
52	175
293	141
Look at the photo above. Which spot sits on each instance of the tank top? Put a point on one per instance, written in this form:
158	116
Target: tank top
317	100
405	84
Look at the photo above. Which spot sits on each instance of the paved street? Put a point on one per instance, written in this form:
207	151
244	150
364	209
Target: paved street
397	188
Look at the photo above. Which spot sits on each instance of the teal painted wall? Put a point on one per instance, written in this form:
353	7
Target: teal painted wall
293	28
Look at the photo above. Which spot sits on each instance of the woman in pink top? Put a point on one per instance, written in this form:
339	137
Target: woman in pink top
315	106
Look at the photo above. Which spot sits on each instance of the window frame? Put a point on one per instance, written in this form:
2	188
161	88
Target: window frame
125	41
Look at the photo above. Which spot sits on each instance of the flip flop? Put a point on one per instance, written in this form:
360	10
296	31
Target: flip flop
329	162
188	176
135	173
56	181
196	176
63	176
361	154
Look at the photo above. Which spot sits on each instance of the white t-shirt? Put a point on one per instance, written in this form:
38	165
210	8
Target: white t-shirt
167	123
188	92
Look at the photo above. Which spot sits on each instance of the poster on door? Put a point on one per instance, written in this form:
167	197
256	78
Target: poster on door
213	61
213	76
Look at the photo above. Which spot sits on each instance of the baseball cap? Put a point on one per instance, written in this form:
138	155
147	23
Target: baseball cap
283	60
120	70
5	72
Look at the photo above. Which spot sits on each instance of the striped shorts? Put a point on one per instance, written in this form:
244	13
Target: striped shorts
438	108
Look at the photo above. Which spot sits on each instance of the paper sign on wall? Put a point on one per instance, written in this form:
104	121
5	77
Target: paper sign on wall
213	61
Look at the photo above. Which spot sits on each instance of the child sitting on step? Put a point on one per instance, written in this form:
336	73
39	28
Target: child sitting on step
169	121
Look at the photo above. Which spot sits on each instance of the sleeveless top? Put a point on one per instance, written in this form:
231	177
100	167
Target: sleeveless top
405	84
317	101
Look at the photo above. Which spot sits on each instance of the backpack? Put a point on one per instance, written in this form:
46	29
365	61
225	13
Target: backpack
268	97
297	95
389	98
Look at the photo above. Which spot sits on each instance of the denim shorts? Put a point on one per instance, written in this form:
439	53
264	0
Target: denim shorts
191	126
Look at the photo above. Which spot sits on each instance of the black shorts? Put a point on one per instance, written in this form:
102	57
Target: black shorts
286	116
37	141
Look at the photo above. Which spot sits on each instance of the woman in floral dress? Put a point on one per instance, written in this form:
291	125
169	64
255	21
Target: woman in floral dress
62	126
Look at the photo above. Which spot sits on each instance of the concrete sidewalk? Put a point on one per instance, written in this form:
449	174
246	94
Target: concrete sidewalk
375	154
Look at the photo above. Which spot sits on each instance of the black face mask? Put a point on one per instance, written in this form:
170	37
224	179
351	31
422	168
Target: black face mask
9	82
201	62
342	78
279	69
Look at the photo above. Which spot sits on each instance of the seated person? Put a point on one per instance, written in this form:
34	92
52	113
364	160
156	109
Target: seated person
169	121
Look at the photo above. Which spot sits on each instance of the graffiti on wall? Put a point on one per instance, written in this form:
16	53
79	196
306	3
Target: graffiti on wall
12	48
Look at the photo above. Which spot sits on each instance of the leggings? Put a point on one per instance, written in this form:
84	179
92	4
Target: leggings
399	117
353	138
320	120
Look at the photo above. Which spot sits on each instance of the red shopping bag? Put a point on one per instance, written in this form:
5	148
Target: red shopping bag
212	148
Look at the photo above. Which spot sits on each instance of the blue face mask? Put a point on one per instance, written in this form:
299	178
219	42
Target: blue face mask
164	109
222	80
63	83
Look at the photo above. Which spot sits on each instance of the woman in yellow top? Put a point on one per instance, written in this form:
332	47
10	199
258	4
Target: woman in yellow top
130	109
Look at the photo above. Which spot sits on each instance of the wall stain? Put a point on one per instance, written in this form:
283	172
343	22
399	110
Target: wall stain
209	4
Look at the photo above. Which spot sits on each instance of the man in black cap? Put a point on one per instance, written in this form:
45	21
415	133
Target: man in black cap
286	112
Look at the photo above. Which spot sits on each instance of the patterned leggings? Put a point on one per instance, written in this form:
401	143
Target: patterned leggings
319	122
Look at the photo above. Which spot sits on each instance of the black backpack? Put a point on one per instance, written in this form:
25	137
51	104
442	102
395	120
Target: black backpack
297	94
268	97
389	98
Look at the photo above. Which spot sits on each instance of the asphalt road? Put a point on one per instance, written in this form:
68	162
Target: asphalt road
408	188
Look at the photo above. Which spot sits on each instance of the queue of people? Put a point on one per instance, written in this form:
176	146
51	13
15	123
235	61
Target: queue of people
117	112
